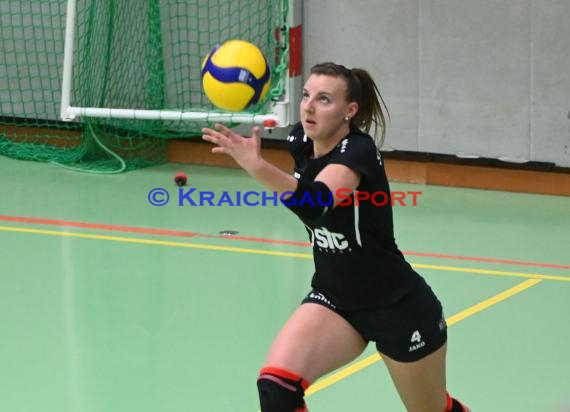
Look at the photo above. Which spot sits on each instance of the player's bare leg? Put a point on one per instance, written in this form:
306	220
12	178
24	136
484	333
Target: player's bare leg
421	384
315	341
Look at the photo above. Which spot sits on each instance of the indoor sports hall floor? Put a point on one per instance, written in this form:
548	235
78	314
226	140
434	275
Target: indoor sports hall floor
110	304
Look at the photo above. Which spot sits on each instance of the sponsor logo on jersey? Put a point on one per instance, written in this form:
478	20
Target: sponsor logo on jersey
442	322
379	158
322	298
291	138
325	239
343	145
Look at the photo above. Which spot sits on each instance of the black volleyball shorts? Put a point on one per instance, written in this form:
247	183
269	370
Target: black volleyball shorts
406	331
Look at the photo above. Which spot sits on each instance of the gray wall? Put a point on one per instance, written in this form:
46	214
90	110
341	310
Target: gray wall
484	78
487	78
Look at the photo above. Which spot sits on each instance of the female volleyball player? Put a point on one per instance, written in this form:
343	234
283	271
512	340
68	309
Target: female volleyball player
363	289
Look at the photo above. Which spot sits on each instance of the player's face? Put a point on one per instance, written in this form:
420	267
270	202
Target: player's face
324	107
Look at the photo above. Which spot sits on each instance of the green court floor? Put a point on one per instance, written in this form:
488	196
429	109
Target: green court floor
111	304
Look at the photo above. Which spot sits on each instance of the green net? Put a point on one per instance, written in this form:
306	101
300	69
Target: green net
131	54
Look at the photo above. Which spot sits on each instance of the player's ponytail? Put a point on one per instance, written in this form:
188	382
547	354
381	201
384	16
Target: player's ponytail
370	105
363	90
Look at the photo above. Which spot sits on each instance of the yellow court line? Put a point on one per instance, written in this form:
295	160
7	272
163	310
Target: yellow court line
458	317
361	364
154	242
492	272
265	252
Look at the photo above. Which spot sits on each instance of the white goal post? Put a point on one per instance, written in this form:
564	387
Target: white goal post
280	112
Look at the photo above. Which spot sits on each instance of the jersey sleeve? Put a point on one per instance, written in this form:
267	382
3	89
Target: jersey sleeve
358	152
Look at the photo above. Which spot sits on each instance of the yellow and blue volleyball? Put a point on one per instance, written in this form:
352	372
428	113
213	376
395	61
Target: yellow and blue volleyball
235	75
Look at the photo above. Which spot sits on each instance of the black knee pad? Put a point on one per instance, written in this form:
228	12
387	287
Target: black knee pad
281	391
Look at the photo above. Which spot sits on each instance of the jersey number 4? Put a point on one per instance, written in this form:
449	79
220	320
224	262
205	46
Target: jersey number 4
416	337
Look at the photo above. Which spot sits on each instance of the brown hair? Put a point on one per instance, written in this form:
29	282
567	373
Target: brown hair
363	90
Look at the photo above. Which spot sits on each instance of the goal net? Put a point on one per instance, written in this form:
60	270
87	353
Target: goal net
130	75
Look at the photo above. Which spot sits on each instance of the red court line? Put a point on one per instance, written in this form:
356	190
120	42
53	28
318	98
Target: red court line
113	228
181	233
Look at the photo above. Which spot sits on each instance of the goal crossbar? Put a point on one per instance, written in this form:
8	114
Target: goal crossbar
280	111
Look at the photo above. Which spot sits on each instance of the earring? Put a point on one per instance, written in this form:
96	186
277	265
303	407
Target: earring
347	118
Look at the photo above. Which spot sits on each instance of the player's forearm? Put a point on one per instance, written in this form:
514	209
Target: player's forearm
304	197
272	177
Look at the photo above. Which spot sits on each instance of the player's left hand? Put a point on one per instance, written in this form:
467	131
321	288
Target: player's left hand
245	151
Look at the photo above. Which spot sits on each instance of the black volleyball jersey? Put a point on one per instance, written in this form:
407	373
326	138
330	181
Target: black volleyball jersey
357	261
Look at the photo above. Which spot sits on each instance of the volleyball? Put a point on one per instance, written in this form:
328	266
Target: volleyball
235	75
